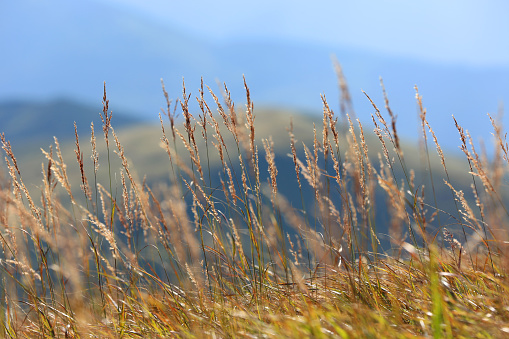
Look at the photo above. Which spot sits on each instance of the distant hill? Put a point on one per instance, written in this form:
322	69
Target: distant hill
32	123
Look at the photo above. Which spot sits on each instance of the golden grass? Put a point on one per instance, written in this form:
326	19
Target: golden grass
228	255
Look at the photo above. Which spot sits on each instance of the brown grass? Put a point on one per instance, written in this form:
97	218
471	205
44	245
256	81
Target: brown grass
198	256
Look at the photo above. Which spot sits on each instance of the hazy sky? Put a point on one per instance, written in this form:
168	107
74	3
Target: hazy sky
457	51
453	31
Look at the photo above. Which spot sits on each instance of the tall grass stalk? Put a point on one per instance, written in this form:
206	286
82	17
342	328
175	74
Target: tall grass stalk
218	250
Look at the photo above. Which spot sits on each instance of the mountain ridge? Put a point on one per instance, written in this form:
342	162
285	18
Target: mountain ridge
37	122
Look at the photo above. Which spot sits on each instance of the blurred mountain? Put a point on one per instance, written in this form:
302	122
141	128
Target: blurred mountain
30	125
67	49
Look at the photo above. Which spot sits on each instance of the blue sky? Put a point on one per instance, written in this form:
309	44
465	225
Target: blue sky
450	31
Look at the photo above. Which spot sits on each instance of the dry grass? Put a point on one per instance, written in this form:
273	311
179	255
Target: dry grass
233	257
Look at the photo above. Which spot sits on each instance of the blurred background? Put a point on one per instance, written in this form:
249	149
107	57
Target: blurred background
456	52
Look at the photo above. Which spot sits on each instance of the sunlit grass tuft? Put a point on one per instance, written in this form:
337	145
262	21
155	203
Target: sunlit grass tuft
208	254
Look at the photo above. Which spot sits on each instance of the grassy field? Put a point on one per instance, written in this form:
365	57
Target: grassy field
213	242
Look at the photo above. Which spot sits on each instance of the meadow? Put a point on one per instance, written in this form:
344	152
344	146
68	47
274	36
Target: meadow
345	240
